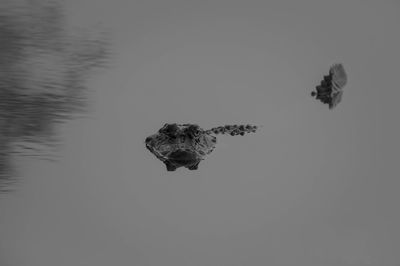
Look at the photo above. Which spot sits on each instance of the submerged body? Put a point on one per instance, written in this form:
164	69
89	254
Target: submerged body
185	145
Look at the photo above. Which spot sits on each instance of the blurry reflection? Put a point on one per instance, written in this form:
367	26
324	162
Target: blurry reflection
43	69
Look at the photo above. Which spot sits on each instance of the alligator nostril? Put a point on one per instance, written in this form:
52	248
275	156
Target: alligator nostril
148	139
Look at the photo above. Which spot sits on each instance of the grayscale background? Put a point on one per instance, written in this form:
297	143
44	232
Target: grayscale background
314	187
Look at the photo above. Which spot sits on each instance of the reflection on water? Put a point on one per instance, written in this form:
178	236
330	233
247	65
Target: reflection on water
43	69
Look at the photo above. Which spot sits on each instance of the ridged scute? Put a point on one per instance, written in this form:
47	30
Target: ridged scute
185	145
181	145
330	90
233	130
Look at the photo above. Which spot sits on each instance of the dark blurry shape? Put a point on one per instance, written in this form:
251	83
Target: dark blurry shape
330	90
7	173
43	69
185	145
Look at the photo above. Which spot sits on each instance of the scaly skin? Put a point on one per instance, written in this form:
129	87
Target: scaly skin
330	90
185	145
233	130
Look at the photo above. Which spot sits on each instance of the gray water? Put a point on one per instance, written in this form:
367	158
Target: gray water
43	69
313	187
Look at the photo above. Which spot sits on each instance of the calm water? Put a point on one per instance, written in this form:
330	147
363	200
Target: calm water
314	187
43	69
